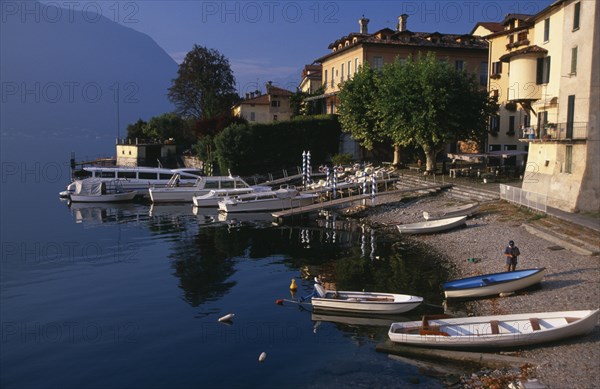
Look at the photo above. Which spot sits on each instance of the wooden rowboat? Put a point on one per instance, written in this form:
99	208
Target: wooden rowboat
363	302
459	210
493	284
432	226
494	331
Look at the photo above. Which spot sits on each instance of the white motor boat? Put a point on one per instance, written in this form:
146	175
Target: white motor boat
284	198
494	331
92	190
139	179
174	192
212	198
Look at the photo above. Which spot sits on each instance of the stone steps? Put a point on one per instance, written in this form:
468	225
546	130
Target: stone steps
407	182
469	193
561	233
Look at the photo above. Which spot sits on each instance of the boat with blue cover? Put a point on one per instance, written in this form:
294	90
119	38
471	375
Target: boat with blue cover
493	284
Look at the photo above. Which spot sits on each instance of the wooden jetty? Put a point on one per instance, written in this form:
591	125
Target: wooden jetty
345	200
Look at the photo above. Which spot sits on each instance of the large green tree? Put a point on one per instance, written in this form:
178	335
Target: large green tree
205	86
422	101
359	112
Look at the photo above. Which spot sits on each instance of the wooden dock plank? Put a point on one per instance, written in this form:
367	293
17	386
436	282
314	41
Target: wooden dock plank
350	199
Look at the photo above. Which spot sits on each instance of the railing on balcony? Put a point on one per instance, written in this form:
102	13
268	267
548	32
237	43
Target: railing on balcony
559	131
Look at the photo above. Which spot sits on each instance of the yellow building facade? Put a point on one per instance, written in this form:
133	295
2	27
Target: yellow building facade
551	74
350	52
270	107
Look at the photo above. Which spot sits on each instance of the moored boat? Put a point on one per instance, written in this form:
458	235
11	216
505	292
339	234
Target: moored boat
174	192
284	198
91	190
139	179
493	284
459	210
432	226
494	331
363	302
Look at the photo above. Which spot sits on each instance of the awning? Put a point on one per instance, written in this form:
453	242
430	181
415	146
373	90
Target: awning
319	97
478	157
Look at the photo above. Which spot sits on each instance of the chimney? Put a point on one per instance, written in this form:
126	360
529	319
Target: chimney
402	22
363	25
247	96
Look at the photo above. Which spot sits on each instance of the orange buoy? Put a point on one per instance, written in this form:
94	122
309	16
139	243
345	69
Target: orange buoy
293	285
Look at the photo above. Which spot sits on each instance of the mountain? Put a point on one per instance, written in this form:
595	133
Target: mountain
62	72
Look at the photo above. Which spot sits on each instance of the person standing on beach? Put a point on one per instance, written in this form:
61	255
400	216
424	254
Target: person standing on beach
512	255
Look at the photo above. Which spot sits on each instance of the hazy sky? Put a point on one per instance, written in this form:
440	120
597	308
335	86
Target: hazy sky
273	40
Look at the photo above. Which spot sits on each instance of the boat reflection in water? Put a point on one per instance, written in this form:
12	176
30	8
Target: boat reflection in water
98	213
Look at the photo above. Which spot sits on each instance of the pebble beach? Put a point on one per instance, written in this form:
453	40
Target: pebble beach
572	280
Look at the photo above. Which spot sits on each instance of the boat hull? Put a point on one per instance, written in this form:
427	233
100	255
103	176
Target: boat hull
493	284
495	331
431	227
364	302
265	205
105	198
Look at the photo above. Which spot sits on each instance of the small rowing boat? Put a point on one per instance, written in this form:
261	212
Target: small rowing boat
493	284
363	302
494	331
458	210
432	226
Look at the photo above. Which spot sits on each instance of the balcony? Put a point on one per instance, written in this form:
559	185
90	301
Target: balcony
551	132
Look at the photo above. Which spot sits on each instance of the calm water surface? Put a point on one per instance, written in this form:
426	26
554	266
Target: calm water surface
129	295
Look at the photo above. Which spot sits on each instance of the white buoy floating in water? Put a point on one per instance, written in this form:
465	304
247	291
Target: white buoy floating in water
227	317
262	357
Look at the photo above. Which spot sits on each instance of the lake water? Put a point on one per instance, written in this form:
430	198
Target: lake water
129	295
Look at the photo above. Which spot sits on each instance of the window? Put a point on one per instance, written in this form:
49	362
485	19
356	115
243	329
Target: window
377	63
349	69
547	30
569	159
275	103
252	116
355	65
164	176
332	77
574	60
109	175
522	36
495	124
542	120
496	68
325	78
527	121
511	125
147	176
126	175
543	70
342	77
459	64
576	12
483	71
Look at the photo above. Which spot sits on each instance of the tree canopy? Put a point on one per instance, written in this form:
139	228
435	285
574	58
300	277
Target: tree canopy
421	101
163	127
205	86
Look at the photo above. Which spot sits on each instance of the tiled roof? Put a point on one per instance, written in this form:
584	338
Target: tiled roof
491	26
410	39
526	50
258	100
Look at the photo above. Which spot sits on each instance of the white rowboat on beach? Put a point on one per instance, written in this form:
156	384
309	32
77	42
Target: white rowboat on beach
432	226
459	210
494	331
